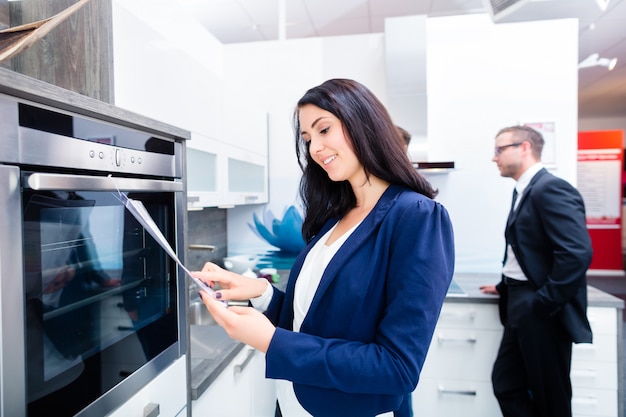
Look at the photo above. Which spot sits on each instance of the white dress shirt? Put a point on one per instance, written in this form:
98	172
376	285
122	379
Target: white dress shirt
511	267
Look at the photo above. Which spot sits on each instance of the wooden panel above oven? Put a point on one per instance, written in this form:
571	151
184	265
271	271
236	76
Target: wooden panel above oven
76	55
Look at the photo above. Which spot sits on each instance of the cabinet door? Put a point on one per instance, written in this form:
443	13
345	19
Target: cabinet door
263	389
222	174
595	377
168	392
445	397
241	390
462	354
205	174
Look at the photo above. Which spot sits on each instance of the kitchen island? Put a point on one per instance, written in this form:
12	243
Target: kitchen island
456	376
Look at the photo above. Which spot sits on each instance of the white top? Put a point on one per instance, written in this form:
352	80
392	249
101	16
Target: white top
511	267
306	286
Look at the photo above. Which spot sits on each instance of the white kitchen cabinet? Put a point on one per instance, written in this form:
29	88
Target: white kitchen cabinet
595	366
456	378
227	174
241	390
166	393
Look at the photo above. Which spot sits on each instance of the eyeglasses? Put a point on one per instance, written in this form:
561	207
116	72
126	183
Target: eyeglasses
499	149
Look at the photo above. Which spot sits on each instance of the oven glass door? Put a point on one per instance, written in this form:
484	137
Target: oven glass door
100	294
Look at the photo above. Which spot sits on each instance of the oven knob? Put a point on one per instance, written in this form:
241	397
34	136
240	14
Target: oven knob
118	157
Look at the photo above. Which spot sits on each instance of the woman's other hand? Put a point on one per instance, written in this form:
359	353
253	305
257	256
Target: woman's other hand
244	324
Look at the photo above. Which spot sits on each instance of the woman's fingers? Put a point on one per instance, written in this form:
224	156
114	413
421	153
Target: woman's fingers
218	310
244	324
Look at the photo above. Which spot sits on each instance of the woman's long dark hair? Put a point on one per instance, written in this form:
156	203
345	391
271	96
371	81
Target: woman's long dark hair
375	140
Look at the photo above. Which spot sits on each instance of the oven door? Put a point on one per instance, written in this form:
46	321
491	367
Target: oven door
100	295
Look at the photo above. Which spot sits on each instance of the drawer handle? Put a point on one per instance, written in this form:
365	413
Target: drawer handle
458	316
443	339
151	410
239	368
468	392
587	373
585	400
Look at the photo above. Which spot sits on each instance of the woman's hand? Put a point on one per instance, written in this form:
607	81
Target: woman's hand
232	286
244	324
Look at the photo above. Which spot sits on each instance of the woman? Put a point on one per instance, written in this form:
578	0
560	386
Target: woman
350	334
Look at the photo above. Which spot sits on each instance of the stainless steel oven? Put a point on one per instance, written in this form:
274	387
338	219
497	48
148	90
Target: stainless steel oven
91	308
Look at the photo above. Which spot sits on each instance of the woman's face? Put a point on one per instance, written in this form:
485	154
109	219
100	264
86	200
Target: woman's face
328	144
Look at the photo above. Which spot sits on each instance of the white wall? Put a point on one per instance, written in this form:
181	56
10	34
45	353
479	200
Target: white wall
480	77
166	66
277	74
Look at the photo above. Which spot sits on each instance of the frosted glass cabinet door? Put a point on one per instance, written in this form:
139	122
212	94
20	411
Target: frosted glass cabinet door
201	171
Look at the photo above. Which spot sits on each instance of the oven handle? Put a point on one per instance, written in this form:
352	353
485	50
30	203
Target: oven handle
63	182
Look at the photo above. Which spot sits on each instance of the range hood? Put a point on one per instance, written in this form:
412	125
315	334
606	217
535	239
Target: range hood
405	68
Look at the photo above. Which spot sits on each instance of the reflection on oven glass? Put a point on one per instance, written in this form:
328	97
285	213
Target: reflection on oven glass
98	293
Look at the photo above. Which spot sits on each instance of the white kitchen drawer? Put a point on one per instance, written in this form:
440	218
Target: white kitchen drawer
594	402
603	349
442	397
594	374
462	354
603	320
469	316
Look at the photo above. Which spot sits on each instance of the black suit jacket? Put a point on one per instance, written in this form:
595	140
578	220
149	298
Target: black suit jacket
549	236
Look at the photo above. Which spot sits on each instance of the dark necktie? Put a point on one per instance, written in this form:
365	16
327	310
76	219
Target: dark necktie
512	204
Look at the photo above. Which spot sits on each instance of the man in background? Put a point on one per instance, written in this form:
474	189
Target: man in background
406	137
543	290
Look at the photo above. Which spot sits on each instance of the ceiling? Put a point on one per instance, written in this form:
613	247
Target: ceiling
601	93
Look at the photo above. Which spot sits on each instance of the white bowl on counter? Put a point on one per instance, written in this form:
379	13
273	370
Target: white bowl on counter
240	263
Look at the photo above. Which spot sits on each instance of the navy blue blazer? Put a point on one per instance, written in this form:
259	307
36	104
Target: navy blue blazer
364	340
549	236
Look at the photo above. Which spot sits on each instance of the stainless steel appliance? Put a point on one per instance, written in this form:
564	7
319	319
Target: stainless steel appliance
91	308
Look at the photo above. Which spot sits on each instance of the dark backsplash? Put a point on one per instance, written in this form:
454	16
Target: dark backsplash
206	227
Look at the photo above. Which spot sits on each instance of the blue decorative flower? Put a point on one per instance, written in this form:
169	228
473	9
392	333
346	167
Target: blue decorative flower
285	234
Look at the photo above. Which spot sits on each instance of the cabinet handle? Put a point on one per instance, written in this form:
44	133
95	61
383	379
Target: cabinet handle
586	373
197	246
151	410
443	339
468	392
239	368
448	315
585	401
